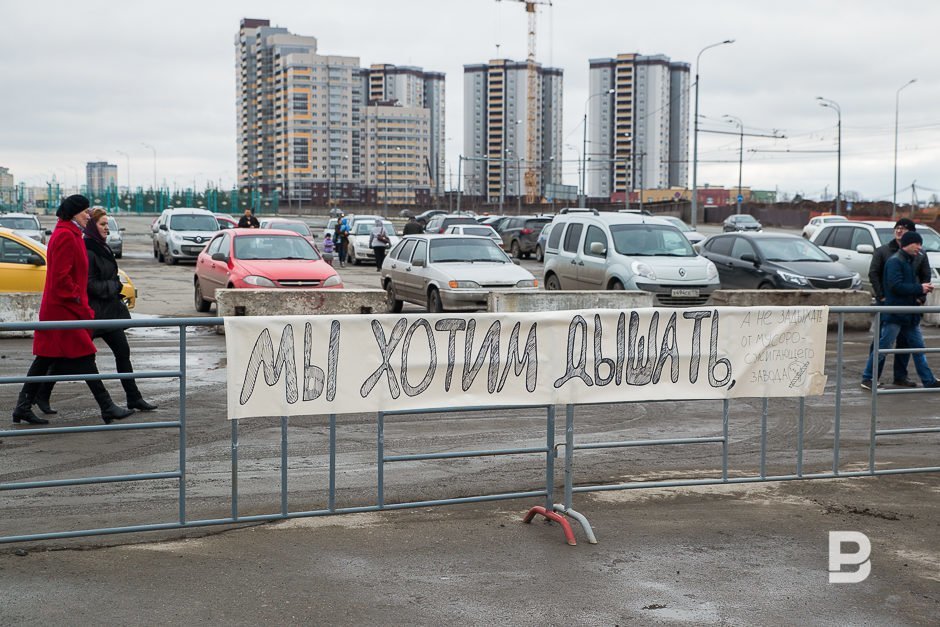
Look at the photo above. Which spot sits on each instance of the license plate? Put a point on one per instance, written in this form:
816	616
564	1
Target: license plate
684	293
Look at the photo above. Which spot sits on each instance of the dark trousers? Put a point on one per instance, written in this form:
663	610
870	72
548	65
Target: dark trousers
116	340
340	249
379	256
58	366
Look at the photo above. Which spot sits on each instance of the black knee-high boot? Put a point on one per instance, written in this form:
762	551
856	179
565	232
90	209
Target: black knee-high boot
23	412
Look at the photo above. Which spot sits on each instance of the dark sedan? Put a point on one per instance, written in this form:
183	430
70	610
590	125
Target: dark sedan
775	261
741	222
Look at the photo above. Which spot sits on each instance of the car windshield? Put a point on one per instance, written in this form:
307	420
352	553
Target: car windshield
676	222
193	222
112	225
295	227
269	247
648	240
483	231
20	224
462	250
790	249
744	218
365	228
931	239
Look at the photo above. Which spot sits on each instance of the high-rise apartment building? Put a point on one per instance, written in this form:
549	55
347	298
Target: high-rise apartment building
100	176
496	129
303	121
638	124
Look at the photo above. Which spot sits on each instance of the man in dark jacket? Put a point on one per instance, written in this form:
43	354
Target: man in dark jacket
876	277
248	221
413	227
902	288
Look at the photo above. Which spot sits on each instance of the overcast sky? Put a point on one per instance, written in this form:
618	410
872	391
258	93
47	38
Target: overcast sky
85	81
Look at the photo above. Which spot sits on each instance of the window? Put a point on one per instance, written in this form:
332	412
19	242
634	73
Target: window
404	252
14	252
573	236
861	236
840	237
421	251
554	236
741	247
214	246
594	234
720	245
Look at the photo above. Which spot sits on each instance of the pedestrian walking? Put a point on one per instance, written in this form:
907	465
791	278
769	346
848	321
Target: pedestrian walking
902	288
379	242
328	248
65	297
341	239
104	297
876	278
248	221
413	227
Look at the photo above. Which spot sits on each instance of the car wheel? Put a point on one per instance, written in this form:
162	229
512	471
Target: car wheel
552	282
616	285
539	255
170	259
515	250
394	305
156	253
435	305
160	257
202	305
352	257
766	286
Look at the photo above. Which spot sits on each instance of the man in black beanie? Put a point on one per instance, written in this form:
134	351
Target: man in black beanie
903	288
876	277
65	297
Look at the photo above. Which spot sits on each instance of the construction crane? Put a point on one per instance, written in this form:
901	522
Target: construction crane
532	104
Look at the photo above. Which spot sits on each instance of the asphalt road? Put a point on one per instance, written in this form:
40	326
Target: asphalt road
725	555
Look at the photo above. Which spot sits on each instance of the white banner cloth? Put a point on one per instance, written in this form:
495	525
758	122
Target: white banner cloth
299	365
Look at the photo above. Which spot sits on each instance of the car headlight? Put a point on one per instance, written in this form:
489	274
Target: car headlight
457	285
333	280
259	281
176	237
856	281
795	279
528	283
643	269
711	271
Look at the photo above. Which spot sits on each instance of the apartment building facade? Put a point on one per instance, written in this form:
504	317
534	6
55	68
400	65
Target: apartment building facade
306	121
497	131
100	176
638	125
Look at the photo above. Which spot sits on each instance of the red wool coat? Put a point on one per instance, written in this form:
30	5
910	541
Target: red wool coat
65	296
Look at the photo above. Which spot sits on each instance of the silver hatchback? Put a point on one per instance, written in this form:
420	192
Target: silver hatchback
450	272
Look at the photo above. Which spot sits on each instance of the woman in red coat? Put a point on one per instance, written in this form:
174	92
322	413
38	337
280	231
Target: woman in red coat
65	297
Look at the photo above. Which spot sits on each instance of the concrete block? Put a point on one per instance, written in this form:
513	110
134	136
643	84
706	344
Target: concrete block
19	307
279	302
800	298
563	300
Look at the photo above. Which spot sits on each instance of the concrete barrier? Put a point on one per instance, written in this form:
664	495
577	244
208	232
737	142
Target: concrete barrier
562	300
19	307
789	298
278	302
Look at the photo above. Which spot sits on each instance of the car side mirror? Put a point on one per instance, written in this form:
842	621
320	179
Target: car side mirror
834	256
418	263
597	248
749	257
122	229
48	231
865	249
219	257
514	260
163	227
36	260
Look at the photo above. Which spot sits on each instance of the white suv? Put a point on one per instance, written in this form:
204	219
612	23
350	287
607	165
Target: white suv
588	250
182	233
855	241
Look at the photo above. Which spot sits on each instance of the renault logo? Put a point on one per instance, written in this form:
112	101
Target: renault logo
681	271
831	277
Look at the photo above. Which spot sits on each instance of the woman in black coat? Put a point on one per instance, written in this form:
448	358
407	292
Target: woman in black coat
104	297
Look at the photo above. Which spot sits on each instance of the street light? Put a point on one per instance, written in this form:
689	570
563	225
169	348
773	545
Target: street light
831	104
732	119
894	192
154	165
695	133
584	144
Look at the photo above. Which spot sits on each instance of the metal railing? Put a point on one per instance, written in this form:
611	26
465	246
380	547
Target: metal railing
550	450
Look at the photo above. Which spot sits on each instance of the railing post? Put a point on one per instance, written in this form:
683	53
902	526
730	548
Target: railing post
284	465
331	499
725	410
838	419
182	438
763	439
875	374
234	469
380	419
550	458
569	454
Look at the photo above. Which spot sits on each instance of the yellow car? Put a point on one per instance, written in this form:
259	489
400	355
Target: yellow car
23	267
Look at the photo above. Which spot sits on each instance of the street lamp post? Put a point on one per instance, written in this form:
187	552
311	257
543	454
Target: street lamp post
734	120
695	133
831	104
894	188
584	159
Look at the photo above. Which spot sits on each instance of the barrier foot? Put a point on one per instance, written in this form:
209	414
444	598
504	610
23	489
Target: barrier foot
565	527
585	525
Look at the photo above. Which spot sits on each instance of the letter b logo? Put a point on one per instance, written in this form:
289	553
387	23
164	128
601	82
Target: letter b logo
838	559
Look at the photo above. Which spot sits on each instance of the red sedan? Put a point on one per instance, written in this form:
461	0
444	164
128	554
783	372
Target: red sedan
259	258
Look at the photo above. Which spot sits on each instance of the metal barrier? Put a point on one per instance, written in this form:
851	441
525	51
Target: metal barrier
550	450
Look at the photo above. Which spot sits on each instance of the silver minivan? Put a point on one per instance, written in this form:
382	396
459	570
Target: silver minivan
589	250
